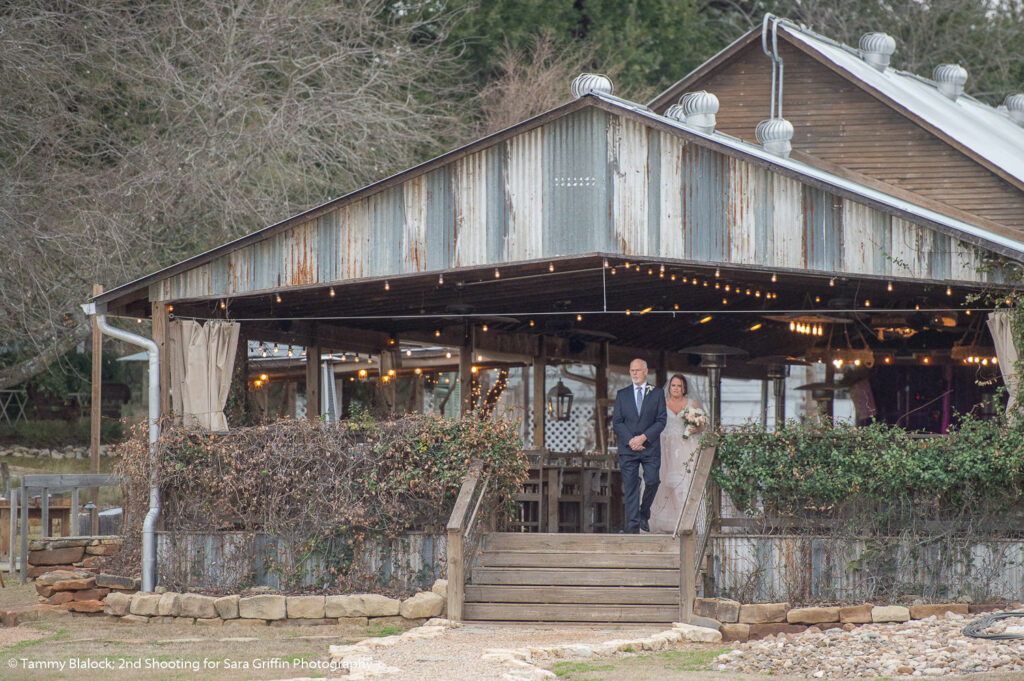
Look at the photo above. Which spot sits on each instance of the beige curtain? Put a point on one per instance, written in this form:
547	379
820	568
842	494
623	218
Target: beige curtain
1006	351
201	362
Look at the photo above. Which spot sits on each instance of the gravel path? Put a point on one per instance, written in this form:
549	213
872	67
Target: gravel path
930	647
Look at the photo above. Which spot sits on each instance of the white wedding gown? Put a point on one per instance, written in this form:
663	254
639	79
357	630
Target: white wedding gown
678	457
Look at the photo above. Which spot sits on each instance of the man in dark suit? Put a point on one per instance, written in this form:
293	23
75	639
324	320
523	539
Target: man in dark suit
638	419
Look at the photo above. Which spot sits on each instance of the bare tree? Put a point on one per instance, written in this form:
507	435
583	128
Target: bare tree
136	134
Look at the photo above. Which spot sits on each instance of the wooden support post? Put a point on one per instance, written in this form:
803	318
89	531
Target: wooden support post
313	381
44	513
467	400
456	576
553	493
539	413
687	574
23	566
601	394
12	537
95	412
390	362
74	513
5	479
161	329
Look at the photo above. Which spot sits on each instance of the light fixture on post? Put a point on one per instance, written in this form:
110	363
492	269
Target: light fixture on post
559	402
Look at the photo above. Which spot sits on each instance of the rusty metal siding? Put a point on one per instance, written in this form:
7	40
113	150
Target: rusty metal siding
654	192
627	155
575	183
823	230
940	256
497	215
387	211
328	232
440	212
705	198
911	249
300	263
788	222
745	194
964	261
672	237
525	187
800	568
471	210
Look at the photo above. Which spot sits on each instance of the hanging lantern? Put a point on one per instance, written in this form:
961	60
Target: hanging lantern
560	402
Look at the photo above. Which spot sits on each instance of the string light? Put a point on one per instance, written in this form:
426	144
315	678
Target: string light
387	285
474	369
497	273
627	312
170	308
551	267
579	318
774	278
718	273
832	281
684	280
264	377
437	333
661	271
223	305
757	294
605	263
613	270
289	351
755	327
673	277
726	288
263	352
650	270
417	371
440	279
817	299
889	287
718	284
646	310
531	322
705	320
483	328
303	352
408	353
725	301
627	265
949	290
275	348
362	373
448	355
138	320
391	372
867	303
277	297
676	306
331	292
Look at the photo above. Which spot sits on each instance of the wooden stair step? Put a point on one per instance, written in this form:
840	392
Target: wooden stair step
576	576
579	559
536	612
625	595
551	541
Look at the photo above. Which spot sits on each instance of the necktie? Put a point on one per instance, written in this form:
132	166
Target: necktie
639	398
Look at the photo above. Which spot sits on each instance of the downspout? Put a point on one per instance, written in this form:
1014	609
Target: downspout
149	524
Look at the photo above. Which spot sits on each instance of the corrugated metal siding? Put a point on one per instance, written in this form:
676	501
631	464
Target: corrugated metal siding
801	568
587	182
627	151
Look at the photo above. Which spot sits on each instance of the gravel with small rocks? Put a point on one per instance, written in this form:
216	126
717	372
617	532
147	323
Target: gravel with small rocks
929	647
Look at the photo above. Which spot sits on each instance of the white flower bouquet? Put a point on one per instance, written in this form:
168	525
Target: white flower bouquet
694	418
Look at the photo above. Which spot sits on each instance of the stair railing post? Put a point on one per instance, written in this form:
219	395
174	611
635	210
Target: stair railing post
456	576
687	574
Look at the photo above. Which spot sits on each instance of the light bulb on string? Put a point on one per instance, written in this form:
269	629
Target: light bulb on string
949	290
387	285
832	281
551	267
774	278
613	270
673	277
440	279
331	292
718	273
497	273
579	318
889	287
277	297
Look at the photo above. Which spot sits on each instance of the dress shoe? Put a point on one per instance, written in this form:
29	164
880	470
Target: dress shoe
644	527
630	530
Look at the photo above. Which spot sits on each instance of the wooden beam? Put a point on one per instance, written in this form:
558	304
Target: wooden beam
539	371
466	398
313	381
95	414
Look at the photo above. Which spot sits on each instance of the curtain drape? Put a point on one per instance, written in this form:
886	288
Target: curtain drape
201	361
1006	351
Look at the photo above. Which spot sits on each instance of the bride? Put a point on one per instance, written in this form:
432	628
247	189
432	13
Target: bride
678	455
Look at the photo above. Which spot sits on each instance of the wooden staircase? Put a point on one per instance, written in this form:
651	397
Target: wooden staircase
543	577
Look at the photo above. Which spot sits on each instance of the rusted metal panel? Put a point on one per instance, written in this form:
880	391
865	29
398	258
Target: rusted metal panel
328	230
866	240
746	194
414	232
964	262
940	256
823	230
440	211
705	200
497	215
300	254
575	184
788	222
526	195
672	237
654	192
387	222
353	247
911	249
471	210
627	154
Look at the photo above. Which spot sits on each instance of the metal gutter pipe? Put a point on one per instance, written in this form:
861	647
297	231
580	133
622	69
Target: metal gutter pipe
149	524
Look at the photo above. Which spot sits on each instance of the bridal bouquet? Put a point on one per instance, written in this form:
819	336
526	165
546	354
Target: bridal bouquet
693	418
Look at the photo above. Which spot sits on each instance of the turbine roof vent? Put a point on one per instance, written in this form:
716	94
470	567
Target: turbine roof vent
950	79
1015	108
776	134
876	49
700	109
587	83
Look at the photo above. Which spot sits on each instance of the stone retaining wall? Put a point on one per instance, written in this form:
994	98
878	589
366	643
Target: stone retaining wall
269	609
20	452
69	553
742	622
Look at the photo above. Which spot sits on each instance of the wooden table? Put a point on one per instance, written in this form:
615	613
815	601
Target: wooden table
558	478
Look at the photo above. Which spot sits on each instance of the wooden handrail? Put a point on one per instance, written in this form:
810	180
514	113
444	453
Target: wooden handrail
457	529
686	525
702	471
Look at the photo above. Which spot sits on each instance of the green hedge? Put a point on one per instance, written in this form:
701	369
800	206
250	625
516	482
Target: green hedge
838	470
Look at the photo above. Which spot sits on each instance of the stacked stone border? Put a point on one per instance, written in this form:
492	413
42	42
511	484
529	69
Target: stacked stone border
74	554
748	622
68	452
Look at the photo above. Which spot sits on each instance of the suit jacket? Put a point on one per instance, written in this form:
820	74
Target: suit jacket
650	421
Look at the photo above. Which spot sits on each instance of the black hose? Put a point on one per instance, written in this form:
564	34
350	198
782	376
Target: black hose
975	628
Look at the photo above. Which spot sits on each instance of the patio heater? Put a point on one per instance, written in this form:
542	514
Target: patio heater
823	393
777	369
713	358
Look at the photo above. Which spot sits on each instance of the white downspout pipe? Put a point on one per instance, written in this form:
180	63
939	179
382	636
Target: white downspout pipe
149	524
